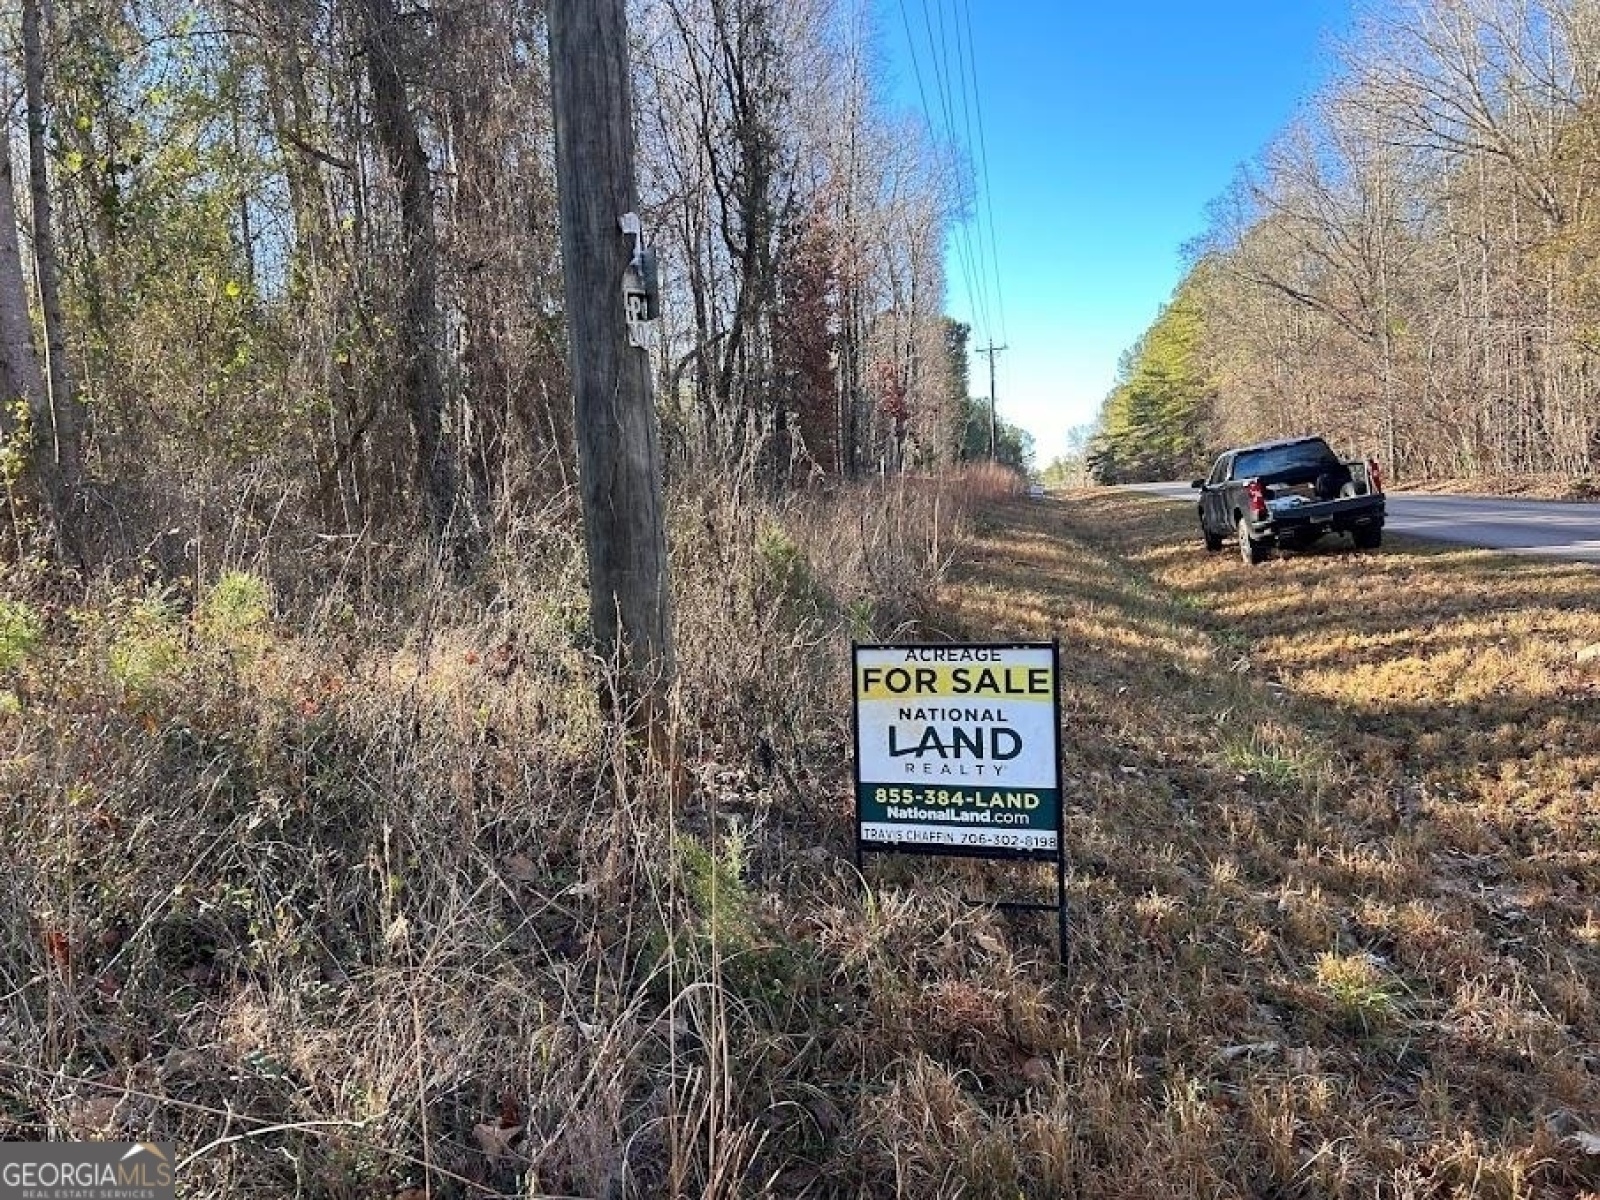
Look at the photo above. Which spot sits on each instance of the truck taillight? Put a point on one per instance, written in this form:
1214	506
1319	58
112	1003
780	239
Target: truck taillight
1257	497
1374	476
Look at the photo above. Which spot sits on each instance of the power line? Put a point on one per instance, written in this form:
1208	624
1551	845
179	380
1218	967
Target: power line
977	255
972	266
939	52
960	73
974	248
983	158
964	250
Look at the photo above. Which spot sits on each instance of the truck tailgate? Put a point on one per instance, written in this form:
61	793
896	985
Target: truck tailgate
1297	510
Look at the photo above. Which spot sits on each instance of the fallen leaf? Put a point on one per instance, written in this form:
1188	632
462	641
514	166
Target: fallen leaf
92	1117
179	1062
521	868
1249	1050
495	1140
1037	1071
510	1112
1304	1059
59	947
797	1181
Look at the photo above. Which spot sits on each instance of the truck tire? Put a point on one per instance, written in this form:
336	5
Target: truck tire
1367	539
1250	550
1213	542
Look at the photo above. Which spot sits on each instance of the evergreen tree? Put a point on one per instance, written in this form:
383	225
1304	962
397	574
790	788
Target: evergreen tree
1152	425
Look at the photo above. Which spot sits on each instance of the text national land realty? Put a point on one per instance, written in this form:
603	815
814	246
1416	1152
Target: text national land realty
956	748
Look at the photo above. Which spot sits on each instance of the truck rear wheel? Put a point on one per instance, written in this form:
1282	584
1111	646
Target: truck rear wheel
1367	539
1250	550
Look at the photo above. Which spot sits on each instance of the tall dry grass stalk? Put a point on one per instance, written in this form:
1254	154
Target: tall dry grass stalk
341	882
356	892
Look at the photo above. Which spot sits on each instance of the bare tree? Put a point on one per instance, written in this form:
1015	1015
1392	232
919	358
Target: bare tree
66	411
421	330
24	417
1416	253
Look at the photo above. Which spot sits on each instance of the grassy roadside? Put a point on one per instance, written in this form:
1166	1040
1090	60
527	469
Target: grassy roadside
1525	487
368	905
1337	853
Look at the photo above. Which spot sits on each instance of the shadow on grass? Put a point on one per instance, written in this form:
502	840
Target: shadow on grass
1236	815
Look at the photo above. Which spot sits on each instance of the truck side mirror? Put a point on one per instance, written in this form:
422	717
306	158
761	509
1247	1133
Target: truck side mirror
1197	483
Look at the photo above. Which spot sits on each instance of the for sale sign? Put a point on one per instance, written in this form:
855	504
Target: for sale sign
957	750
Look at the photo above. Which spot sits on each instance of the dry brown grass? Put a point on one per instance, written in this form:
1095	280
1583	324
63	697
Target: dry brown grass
366	901
1527	487
1340	809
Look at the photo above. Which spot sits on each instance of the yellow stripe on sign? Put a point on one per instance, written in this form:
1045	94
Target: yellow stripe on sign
913	682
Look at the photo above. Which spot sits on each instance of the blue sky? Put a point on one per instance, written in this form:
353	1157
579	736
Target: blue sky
1109	128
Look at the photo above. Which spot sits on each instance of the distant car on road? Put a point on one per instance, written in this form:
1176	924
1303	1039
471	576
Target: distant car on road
1036	491
1289	494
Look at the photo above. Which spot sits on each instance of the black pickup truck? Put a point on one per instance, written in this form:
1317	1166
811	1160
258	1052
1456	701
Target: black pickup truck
1289	494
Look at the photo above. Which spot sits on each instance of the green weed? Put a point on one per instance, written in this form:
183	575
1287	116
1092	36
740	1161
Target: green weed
789	572
148	652
1252	754
715	885
1361	994
19	633
237	606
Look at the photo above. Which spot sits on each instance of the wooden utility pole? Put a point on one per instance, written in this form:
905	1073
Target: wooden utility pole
991	350
619	462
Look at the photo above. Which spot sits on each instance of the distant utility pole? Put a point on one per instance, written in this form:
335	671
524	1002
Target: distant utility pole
991	350
619	458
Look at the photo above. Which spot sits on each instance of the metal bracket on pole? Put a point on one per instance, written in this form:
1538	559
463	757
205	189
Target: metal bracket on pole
634	228
641	284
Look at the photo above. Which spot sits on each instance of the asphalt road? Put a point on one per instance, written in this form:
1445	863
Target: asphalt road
1547	528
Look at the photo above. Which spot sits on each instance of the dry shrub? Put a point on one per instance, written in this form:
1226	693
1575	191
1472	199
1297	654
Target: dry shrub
276	873
367	895
345	888
986	482
768	598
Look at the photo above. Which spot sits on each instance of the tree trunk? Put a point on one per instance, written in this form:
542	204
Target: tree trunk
618	439
421	333
471	46
66	413
22	389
